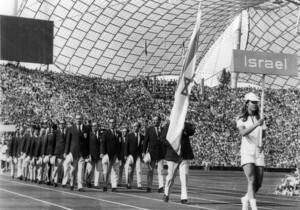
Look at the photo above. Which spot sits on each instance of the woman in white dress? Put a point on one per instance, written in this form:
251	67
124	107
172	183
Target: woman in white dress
251	127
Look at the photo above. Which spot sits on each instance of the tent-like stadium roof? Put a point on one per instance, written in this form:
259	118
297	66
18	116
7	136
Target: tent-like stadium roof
108	38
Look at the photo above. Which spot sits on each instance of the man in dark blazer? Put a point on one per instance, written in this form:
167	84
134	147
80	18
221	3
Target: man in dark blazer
156	150
39	154
49	156
12	152
176	161
111	154
26	150
94	166
125	131
133	155
60	136
76	151
20	155
32	163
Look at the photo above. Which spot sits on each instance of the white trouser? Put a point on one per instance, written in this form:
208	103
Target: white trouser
58	162
93	168
40	168
20	165
129	170
25	166
76	167
112	169
160	172
121	169
13	166
47	168
183	174
32	169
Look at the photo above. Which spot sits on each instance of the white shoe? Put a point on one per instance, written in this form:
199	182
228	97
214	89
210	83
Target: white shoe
245	203
253	204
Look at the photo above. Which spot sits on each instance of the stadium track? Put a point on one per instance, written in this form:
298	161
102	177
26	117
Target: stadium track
208	190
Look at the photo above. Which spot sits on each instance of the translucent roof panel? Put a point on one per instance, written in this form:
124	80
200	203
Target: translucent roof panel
110	39
275	30
104	37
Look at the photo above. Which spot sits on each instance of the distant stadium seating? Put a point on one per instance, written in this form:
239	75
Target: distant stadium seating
29	96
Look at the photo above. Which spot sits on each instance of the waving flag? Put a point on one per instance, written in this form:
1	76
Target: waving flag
183	90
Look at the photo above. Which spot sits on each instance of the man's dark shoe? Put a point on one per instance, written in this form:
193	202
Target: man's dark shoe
81	190
89	185
166	198
71	187
20	178
64	186
114	189
55	184
184	201
161	190
148	189
104	189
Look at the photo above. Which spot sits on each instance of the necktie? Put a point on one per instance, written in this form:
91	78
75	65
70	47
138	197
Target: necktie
138	138
157	131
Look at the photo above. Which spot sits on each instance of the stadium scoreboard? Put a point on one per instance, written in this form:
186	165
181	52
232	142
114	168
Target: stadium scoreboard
26	40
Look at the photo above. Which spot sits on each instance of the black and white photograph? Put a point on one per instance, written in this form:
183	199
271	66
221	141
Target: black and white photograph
150	104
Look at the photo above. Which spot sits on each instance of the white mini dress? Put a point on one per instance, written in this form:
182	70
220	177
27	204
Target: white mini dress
249	148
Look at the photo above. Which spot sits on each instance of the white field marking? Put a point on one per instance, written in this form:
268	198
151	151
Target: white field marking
178	187
211	189
160	200
260	195
93	198
136	196
46	202
195	198
117	193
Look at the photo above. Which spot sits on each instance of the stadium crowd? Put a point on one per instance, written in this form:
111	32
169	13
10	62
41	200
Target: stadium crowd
30	96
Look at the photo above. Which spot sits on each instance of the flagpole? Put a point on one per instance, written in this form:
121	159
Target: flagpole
144	71
183	54
145	58
262	107
163	71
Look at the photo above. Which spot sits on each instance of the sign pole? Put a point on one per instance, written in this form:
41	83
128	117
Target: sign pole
262	106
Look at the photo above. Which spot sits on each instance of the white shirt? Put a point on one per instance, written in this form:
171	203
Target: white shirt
250	141
138	137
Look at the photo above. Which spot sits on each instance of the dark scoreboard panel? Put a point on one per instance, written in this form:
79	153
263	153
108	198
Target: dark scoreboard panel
26	40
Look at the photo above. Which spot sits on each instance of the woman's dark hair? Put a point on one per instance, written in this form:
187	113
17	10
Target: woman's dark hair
244	112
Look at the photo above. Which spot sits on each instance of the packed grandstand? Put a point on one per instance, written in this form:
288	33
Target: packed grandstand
30	96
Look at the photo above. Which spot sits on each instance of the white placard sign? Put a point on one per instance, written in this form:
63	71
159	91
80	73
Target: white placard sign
264	63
